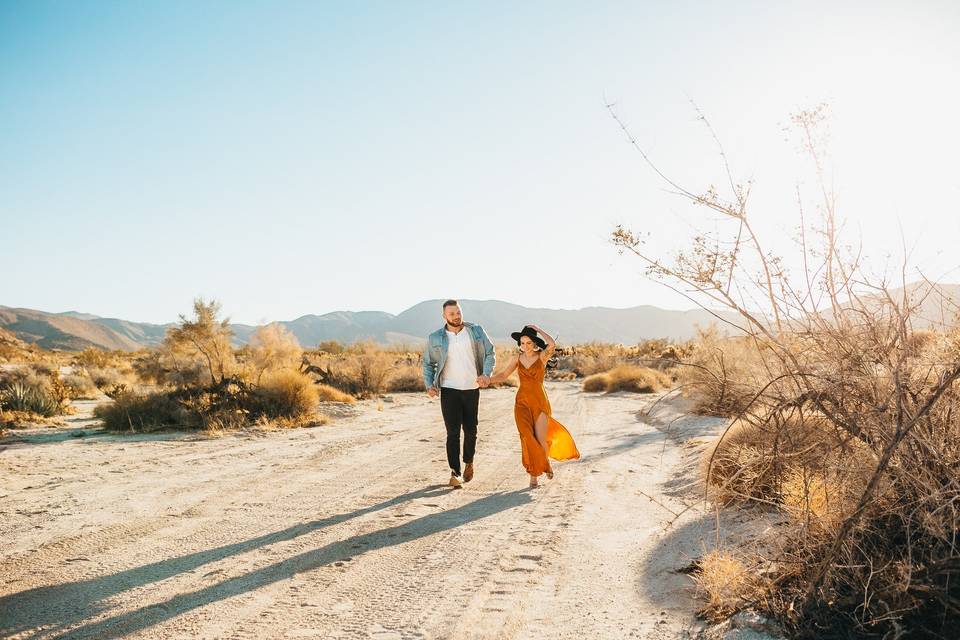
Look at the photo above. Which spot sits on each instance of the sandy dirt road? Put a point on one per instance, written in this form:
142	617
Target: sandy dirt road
347	530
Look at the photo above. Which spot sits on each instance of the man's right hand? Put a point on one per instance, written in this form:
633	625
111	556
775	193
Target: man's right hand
432	392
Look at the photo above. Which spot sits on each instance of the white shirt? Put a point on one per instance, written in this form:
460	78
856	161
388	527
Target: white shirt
460	368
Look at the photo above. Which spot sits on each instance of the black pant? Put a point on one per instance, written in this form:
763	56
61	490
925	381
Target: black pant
459	410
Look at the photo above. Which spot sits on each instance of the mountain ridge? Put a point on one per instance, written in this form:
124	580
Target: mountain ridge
73	330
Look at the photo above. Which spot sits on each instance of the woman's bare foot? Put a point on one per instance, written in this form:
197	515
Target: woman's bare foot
534	482
550	474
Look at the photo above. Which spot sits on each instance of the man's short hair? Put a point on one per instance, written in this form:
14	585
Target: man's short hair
450	303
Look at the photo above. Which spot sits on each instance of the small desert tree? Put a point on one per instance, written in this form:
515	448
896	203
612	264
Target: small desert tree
273	347
205	338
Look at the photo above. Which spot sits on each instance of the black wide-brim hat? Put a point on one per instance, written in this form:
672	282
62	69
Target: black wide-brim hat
530	333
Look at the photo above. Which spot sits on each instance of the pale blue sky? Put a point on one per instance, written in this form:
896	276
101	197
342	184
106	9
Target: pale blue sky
304	157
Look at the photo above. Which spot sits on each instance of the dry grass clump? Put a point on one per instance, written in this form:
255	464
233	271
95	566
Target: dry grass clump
326	393
726	582
596	382
628	378
286	394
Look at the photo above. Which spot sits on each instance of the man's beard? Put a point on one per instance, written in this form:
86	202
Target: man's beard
455	324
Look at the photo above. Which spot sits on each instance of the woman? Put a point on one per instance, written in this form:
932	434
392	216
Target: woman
540	435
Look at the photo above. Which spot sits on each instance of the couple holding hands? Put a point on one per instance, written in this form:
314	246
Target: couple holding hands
459	360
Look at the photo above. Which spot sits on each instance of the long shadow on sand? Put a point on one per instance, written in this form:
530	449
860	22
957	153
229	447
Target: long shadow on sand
55	609
18	439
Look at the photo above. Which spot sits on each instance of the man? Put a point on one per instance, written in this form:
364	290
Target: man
458	360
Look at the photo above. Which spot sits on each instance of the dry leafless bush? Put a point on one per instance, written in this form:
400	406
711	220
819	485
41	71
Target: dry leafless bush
844	418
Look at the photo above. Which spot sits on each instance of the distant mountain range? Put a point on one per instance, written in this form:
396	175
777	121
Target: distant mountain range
73	331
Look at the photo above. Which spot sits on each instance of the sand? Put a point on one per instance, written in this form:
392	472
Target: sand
348	530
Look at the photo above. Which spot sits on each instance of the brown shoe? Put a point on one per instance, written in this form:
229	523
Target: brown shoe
468	472
455	481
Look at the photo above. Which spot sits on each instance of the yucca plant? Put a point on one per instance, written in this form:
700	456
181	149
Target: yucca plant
21	397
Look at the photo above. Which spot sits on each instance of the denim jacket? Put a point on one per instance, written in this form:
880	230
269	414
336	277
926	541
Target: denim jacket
435	353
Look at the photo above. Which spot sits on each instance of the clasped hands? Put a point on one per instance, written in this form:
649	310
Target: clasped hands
483	381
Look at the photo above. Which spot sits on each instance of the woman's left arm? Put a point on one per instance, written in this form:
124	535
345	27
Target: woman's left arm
551	343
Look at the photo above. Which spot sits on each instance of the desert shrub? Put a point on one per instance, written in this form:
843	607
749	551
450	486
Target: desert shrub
406	379
592	358
591	363
326	393
286	394
80	387
92	357
138	412
273	348
637	379
105	379
628	378
148	367
362	375
596	382
284	398
330	346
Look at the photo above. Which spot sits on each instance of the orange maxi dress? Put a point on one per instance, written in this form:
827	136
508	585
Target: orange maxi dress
530	403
